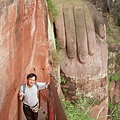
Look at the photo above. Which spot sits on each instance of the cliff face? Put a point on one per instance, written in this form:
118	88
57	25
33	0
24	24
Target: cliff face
25	36
23	49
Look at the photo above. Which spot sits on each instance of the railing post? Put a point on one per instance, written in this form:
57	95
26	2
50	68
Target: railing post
54	107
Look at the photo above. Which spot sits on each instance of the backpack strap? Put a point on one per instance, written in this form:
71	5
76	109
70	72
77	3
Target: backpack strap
24	86
37	86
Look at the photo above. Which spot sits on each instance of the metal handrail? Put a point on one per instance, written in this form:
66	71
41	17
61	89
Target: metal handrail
54	107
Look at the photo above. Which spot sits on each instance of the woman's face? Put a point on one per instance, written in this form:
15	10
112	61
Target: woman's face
31	81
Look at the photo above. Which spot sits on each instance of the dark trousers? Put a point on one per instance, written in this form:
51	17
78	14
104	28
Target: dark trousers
29	114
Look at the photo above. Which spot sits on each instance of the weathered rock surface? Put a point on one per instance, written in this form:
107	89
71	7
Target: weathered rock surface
114	71
23	49
114	47
84	50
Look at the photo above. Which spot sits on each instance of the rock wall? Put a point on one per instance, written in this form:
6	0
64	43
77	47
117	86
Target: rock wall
24	36
114	71
23	49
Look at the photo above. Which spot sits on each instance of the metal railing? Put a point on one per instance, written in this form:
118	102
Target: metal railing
50	102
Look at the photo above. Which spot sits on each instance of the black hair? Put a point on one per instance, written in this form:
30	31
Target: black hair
31	75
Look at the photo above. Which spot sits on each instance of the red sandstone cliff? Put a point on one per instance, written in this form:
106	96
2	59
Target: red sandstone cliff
23	49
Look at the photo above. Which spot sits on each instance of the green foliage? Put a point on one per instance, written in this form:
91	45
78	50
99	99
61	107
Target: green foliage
56	55
117	39
57	45
55	58
64	90
111	106
117	27
79	110
117	21
52	9
114	111
113	34
63	80
114	77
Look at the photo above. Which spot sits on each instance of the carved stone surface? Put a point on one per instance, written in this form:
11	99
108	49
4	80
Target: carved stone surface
83	47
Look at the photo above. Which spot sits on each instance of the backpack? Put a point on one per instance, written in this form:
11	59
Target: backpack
24	87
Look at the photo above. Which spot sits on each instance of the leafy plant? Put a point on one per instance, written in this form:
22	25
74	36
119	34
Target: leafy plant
63	80
79	110
114	77
57	45
113	34
52	9
114	111
64	90
55	58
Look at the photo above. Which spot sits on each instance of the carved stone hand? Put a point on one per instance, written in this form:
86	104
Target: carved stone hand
81	33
